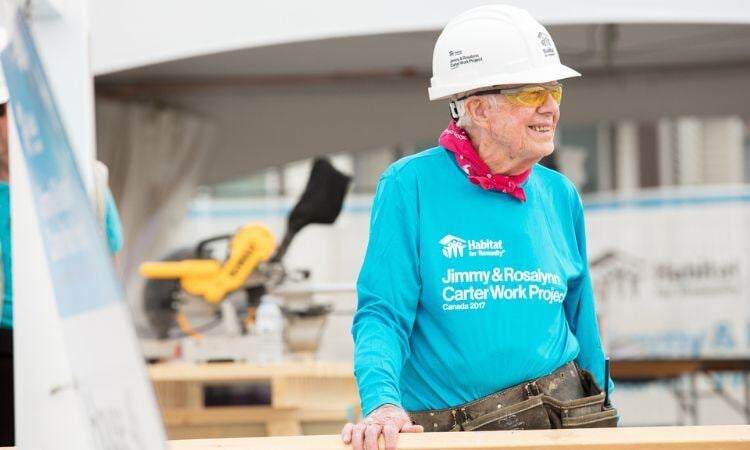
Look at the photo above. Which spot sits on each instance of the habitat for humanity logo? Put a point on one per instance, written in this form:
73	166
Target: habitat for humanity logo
547	48
453	247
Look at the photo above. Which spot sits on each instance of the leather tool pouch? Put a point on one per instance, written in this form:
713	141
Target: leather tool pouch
529	414
586	412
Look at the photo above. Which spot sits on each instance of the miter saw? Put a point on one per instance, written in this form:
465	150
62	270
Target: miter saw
190	292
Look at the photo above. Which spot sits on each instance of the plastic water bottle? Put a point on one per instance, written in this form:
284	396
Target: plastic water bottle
269	330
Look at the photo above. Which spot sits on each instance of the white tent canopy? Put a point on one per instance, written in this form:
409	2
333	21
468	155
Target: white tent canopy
132	34
285	81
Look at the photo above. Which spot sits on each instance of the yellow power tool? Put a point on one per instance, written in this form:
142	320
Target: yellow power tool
209	279
253	264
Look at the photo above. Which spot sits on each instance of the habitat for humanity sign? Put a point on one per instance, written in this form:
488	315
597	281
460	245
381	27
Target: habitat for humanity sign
671	273
110	378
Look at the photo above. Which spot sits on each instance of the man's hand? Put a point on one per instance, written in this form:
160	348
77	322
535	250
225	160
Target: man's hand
389	420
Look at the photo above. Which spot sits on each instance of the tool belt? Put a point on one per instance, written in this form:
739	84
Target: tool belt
569	397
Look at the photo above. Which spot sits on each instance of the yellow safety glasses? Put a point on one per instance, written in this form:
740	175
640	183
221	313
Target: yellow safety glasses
529	95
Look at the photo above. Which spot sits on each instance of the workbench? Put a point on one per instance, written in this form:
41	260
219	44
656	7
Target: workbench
673	370
315	397
306	397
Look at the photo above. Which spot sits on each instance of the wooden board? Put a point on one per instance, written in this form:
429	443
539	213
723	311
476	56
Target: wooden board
244	372
661	438
634	369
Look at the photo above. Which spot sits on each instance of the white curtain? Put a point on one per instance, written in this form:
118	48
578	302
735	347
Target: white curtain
155	157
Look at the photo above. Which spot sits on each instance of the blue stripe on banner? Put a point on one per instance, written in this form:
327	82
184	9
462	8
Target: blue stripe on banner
223	212
238	212
80	266
661	202
256	212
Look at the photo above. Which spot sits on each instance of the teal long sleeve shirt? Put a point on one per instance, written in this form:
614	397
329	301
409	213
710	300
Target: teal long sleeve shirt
464	291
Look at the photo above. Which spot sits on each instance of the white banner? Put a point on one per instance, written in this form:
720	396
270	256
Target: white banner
670	273
109	375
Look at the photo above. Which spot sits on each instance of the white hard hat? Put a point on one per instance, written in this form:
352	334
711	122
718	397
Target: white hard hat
493	45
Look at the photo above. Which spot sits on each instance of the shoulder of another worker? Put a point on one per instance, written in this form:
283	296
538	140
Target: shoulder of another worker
557	184
4	194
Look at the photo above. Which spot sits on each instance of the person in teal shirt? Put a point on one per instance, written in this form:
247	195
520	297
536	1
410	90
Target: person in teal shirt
113	230
475	305
114	235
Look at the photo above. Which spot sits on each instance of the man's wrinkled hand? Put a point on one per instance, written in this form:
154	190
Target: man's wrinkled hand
388	420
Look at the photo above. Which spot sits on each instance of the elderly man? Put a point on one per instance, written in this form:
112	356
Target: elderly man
475	304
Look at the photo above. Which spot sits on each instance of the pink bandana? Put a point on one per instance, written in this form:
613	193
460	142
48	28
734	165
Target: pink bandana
456	140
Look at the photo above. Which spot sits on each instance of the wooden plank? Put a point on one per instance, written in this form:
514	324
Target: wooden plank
642	369
661	438
217	431
233	415
623	368
653	438
725	365
179	395
225	372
